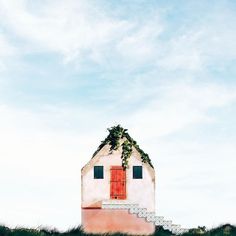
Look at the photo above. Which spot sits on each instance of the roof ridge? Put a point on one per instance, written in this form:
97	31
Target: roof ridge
116	133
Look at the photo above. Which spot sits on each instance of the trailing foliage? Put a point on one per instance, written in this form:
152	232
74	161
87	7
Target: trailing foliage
126	153
116	133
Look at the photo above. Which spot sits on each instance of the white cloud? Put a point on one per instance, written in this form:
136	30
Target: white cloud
183	52
179	105
210	40
7	50
141	46
81	31
71	28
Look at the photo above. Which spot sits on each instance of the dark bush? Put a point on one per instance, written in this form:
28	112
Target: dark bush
4	231
223	230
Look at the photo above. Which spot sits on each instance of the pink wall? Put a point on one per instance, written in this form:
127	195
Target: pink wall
110	220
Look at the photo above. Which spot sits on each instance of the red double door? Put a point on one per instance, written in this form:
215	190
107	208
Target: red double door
118	183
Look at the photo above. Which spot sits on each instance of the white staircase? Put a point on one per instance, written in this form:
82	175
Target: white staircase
143	213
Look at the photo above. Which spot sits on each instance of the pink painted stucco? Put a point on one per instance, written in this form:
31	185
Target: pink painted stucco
110	220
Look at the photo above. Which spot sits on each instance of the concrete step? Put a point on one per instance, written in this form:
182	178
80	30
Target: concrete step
159	220
150	216
133	210
143	213
167	224
175	228
118	205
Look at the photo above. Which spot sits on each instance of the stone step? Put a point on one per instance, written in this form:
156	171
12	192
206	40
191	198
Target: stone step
159	220
143	213
133	210
118	205
150	216
167	224
175	228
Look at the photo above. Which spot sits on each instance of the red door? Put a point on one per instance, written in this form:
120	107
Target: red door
118	183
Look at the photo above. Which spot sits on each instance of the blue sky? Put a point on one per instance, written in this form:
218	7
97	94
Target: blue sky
163	69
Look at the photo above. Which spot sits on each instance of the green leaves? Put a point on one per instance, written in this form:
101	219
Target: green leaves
116	133
126	153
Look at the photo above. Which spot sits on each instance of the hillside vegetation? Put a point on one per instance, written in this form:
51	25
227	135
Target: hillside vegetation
223	230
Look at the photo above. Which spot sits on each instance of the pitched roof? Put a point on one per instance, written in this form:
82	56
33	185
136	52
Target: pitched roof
119	136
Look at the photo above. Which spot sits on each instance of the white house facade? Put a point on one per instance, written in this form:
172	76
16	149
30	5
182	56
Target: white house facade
117	176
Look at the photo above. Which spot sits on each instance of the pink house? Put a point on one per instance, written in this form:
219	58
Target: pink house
118	180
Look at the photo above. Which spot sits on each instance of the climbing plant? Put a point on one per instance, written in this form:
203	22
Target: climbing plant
116	133
126	153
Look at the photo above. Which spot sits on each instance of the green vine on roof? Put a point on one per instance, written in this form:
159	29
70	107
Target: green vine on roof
113	139
126	153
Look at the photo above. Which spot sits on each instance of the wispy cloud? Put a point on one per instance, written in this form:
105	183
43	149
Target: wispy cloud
180	105
80	31
84	32
70	28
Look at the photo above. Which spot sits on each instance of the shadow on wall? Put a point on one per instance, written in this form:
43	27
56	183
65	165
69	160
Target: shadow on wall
227	230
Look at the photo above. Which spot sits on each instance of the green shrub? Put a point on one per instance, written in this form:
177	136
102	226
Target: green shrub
223	230
4	231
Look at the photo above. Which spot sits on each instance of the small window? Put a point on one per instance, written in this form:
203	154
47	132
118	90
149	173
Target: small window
137	172
98	172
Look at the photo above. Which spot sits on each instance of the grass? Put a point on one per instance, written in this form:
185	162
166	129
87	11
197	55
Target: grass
223	230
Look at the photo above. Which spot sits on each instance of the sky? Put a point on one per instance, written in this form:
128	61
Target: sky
70	69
